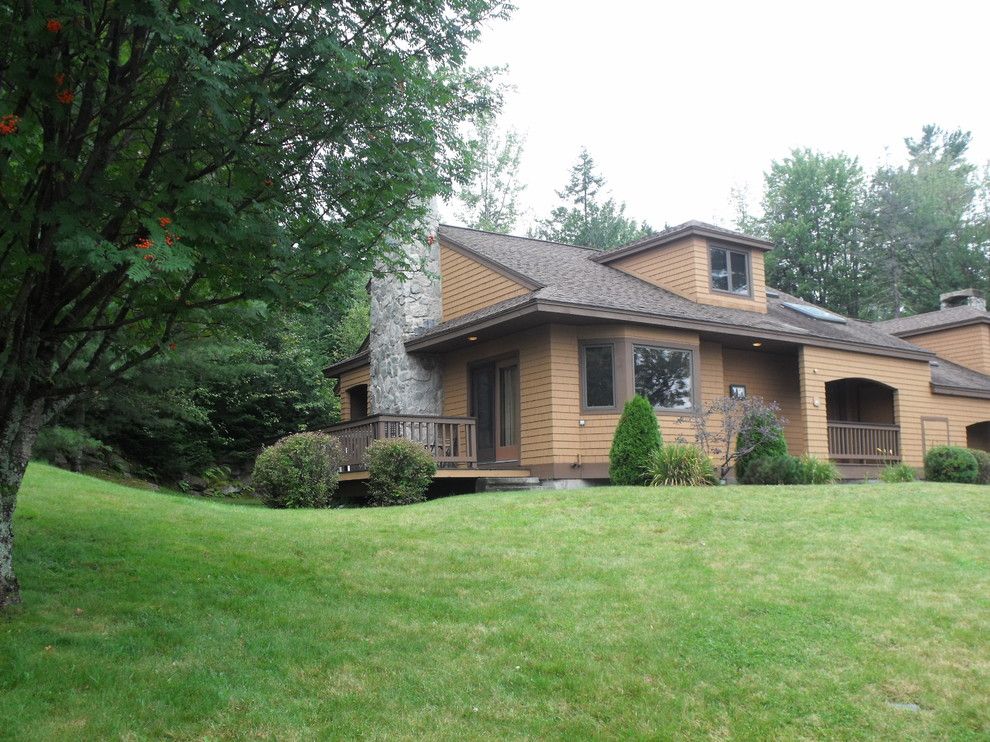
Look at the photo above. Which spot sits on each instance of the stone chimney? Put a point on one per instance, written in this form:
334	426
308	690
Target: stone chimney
964	298
403	304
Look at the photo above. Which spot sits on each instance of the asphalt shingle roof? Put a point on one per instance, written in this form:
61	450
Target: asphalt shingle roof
932	320
947	373
569	275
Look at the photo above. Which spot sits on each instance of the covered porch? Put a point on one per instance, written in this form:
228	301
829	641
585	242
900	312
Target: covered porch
861	420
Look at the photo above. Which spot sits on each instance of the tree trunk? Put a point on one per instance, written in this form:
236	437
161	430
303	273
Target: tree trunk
18	429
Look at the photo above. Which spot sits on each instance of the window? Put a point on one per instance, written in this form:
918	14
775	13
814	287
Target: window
663	376
599	376
730	271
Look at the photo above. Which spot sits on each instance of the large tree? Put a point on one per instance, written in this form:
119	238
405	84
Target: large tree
928	224
585	219
491	196
167	166
812	212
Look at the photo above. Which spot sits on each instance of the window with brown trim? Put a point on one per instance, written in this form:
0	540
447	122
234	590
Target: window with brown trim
598	375
730	271
665	376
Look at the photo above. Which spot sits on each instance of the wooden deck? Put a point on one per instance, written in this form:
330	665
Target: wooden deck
452	441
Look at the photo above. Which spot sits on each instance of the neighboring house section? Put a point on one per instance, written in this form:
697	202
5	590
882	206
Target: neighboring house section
958	331
540	345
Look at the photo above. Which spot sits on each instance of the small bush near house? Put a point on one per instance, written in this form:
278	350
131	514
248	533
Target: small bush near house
300	471
784	469
636	437
951	464
816	471
399	472
763	435
894	473
678	465
983	465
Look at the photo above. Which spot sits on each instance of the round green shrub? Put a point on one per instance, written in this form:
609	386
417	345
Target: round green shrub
816	471
762	428
983	465
678	465
636	437
951	464
299	471
784	469
399	472
894	473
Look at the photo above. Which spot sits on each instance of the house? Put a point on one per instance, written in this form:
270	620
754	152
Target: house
514	356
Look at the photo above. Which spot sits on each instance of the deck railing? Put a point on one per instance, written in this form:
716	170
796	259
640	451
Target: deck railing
866	443
452	441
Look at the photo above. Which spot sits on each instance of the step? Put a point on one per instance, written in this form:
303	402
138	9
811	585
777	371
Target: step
506	484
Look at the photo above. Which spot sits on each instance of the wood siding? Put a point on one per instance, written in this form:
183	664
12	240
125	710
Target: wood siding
537	419
913	400
348	380
683	267
468	286
968	346
773	377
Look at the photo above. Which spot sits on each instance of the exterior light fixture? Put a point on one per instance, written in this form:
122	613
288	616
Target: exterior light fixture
472	338
757	344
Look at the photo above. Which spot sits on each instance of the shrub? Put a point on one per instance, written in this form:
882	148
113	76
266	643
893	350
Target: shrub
300	471
784	469
894	473
66	447
678	465
636	437
983	465
400	472
816	471
951	464
762	434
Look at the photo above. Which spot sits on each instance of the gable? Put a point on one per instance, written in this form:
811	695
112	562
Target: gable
682	266
968	345
468	285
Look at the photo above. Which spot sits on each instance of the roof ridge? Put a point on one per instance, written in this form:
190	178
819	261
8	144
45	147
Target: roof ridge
521	237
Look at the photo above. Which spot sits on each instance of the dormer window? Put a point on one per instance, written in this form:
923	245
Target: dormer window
730	271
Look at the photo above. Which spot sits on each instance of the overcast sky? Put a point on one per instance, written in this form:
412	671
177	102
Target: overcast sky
680	102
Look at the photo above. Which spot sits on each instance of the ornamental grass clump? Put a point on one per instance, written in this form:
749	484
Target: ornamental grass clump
399	472
951	464
299	471
637	437
896	473
680	465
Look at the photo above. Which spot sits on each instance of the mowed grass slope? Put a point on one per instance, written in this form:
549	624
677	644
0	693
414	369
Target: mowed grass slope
803	612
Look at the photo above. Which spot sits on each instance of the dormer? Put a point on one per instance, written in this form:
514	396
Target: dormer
701	262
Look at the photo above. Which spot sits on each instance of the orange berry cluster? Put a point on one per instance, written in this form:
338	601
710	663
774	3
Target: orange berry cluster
8	124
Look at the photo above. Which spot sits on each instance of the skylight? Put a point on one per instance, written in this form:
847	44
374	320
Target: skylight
815	312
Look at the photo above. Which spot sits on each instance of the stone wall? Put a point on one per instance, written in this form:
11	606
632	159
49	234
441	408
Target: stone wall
402	305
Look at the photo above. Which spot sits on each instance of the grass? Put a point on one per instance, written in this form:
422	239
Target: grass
787	612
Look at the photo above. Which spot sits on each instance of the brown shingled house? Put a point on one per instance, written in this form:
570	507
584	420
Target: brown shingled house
516	359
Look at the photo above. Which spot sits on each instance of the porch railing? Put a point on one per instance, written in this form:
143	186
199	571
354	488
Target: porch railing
851	442
452	441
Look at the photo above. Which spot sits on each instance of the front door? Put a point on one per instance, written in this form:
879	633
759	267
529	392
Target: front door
495	406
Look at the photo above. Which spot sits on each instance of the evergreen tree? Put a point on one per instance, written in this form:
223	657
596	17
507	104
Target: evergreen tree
585	220
636	437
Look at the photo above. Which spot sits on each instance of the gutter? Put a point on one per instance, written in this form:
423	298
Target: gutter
621	315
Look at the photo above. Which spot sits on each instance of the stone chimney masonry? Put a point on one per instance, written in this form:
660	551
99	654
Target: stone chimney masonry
964	298
402	305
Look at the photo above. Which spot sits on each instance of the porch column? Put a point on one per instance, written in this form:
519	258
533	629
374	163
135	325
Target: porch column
814	423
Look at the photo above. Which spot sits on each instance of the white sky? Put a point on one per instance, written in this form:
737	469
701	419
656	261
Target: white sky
679	102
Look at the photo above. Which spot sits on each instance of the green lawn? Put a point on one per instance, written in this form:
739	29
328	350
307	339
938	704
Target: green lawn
791	612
